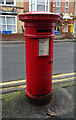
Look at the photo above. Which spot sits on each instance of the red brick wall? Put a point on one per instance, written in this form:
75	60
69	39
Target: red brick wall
71	7
62	7
12	37
26	6
73	21
54	8
49	6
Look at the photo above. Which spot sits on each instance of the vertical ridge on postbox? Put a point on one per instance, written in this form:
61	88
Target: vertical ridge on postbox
39	27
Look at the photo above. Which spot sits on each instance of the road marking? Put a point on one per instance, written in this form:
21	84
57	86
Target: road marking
61	80
20	87
16	87
54	76
65	74
55	81
13	82
23	87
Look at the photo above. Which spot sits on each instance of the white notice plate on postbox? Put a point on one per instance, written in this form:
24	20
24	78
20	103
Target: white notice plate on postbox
43	47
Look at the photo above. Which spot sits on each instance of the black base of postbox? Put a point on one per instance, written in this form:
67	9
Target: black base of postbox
39	101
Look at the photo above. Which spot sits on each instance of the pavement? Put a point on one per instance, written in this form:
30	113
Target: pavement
60	40
15	104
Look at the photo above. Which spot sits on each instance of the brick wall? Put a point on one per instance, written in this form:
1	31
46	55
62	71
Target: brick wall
26	6
71	8
12	37
49	6
19	23
62	7
54	8
75	8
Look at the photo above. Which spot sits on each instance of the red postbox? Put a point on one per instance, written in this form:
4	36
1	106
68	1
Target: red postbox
39	35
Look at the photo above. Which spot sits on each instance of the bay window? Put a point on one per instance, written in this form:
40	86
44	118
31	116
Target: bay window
8	23
1	1
8	2
32	5
39	5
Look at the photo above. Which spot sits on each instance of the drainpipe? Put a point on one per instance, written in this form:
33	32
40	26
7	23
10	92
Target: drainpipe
51	5
61	25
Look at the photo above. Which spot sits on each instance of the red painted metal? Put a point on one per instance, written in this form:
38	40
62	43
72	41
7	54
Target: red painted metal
38	68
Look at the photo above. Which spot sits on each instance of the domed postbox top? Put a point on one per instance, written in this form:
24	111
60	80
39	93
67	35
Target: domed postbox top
39	15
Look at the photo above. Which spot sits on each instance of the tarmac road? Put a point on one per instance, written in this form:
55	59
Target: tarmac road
13	60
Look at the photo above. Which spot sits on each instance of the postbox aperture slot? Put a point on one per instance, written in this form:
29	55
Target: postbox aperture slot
42	31
43	47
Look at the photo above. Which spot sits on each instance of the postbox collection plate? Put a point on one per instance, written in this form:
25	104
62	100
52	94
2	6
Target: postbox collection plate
43	47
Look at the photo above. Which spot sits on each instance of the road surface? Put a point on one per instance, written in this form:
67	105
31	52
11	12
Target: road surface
13	60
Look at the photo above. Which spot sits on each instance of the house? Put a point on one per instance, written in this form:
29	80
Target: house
36	5
9	10
63	7
66	10
9	21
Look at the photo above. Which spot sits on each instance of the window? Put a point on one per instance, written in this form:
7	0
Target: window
8	2
67	7
47	5
58	7
1	1
39	5
32	5
8	23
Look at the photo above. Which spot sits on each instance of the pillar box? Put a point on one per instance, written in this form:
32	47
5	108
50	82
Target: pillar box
39	35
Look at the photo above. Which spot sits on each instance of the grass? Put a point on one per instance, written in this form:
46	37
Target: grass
8	97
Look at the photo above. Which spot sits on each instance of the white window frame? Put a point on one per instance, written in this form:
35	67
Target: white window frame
57	6
65	27
74	27
36	5
66	7
10	24
8	4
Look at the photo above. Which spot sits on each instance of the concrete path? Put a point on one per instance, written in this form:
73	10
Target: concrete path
62	40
